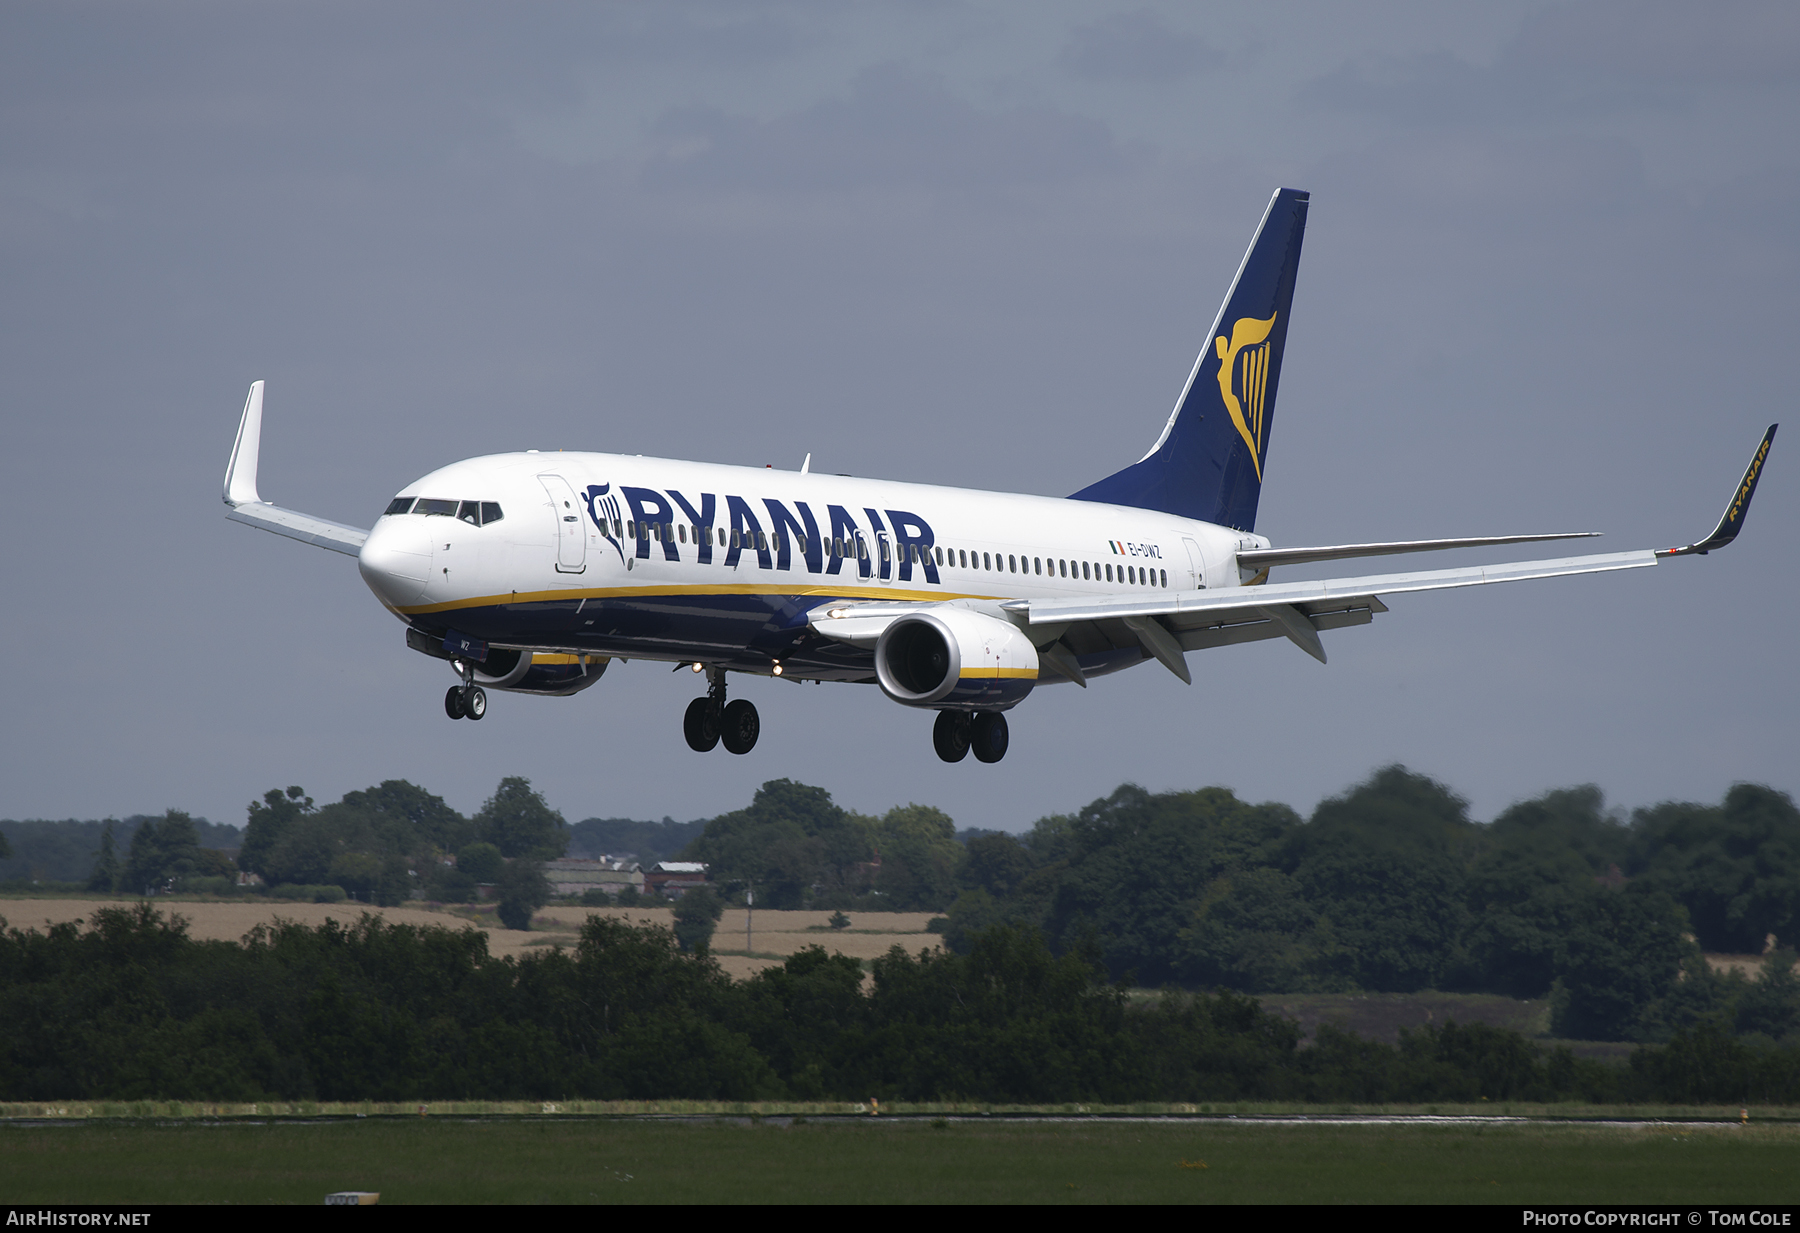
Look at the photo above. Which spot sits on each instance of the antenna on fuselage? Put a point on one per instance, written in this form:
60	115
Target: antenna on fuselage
806	466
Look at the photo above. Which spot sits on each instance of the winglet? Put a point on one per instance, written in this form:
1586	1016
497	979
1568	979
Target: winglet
251	510
1732	521
240	472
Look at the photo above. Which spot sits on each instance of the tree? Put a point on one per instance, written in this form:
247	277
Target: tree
482	862
1131	870
411	817
919	857
449	884
697	913
523	890
1771	1005
1621	952
518	822
107	870
996	863
1735	867
269	821
791	838
163	851
1385	864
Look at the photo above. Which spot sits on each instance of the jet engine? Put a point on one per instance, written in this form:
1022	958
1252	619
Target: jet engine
520	672
955	659
537	672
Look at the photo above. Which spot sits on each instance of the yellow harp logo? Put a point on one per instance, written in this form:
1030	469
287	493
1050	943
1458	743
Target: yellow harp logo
1244	380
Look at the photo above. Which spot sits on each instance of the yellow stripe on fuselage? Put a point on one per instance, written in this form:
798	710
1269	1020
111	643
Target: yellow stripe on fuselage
663	592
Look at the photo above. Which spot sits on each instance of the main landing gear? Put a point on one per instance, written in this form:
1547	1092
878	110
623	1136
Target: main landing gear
711	719
468	700
956	733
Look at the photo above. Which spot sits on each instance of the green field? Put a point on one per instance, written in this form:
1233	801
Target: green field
874	1160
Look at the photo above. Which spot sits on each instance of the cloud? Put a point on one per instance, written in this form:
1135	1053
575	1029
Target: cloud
1136	46
1576	61
1660	43
892	129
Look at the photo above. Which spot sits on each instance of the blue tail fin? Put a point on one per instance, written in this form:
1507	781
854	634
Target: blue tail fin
1208	462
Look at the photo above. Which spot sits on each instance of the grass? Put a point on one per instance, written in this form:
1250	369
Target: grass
876	1160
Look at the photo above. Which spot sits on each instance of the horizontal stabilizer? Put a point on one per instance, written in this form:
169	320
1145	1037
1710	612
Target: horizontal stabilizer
1266	558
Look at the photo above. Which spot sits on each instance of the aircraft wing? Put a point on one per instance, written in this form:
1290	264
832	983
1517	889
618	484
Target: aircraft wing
1266	558
1170	623
1167	626
304	527
251	510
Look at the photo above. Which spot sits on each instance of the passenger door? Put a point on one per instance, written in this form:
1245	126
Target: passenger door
1196	563
571	539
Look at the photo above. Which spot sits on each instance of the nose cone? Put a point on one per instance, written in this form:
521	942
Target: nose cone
396	559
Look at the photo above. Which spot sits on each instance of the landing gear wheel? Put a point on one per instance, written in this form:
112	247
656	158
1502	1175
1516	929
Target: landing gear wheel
987	736
701	725
453	702
474	702
950	735
739	726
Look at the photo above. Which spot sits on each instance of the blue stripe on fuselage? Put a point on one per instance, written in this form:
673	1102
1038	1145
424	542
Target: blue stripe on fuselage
731	630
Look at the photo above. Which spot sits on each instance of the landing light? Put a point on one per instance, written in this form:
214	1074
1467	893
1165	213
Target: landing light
776	669
699	668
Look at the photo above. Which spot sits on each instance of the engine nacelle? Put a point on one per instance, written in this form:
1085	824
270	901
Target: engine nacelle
519	672
537	672
954	659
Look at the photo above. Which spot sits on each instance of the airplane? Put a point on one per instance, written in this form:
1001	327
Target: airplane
530	572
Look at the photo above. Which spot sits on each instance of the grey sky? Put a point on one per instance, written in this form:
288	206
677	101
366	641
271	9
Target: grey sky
1549	284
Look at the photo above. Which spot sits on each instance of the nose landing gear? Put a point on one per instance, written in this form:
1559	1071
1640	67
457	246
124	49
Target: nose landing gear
468	700
711	719
465	702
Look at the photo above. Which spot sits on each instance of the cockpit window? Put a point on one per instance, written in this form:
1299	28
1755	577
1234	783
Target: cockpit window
475	513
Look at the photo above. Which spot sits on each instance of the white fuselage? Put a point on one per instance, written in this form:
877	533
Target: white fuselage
662	559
